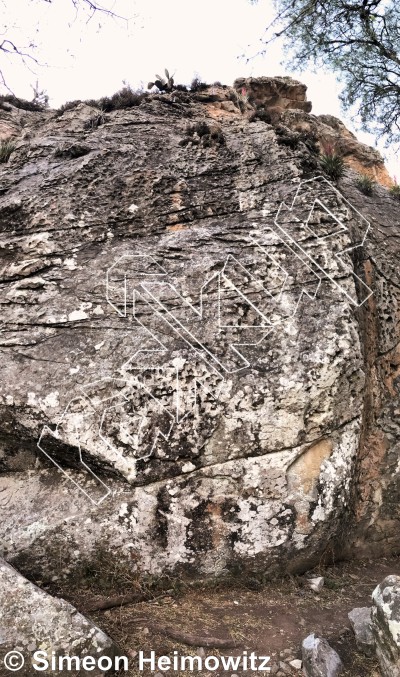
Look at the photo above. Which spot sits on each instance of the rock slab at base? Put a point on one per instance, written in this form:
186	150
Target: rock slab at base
319	659
31	620
386	625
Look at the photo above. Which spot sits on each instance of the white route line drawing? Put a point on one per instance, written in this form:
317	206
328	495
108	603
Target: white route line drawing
55	434
133	257
151	283
186	334
339	255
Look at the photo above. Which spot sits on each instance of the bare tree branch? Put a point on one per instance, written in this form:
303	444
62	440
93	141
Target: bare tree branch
10	48
357	39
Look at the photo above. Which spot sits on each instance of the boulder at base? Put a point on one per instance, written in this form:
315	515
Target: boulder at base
31	620
360	620
319	659
386	625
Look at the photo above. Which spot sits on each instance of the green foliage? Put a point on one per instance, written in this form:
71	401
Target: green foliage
20	103
163	84
395	191
7	146
205	134
39	102
332	163
95	121
197	85
69	105
124	98
260	113
360	42
365	184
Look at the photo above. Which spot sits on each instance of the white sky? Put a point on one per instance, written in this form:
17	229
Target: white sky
82	59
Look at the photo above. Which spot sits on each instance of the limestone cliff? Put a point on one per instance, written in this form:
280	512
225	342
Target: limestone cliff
200	337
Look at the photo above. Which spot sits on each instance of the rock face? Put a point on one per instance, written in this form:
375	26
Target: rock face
199	336
32	621
319	659
386	625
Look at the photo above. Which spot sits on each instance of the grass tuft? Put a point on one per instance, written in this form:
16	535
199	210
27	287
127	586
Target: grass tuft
365	184
395	191
7	146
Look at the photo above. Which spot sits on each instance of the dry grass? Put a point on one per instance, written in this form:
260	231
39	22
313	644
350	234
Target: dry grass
268	617
271	621
7	146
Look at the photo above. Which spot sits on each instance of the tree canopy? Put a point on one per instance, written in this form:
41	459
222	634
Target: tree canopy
360	41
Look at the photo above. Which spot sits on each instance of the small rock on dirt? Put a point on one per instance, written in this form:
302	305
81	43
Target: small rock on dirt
316	584
296	664
319	659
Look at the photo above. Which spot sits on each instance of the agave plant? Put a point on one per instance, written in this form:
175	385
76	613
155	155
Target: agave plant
163	84
332	162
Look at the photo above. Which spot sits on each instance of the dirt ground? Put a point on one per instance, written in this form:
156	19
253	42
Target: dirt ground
269	618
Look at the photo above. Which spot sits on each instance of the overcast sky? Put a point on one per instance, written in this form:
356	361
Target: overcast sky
84	58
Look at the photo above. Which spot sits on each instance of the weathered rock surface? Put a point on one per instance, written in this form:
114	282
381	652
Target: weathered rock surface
330	133
275	92
284	100
360	620
31	620
189	367
319	659
386	625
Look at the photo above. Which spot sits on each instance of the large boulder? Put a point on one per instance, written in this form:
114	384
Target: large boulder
189	372
331	134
